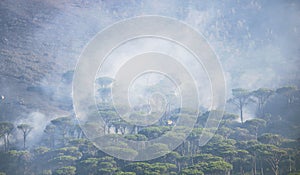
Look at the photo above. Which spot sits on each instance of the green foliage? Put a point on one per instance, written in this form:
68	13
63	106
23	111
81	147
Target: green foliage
71	151
136	137
261	95
269	138
258	145
125	173
15	162
209	167
286	89
220	147
241	98
154	132
6	129
88	166
66	170
41	150
126	152
294	173
141	168
61	160
155	149
191	171
47	172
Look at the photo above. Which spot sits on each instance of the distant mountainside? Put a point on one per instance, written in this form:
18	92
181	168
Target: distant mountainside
40	40
26	61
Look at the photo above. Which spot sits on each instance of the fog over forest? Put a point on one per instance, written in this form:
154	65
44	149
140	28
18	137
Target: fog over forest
256	43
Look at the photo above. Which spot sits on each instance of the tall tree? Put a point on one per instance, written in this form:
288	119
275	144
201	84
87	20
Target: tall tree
273	155
63	124
26	129
6	129
261	95
50	131
255	125
241	97
269	138
288	92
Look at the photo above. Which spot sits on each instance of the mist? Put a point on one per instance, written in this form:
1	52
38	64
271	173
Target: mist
38	122
256	43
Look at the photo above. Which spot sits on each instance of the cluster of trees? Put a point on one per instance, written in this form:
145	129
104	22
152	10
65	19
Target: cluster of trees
265	145
6	129
242	97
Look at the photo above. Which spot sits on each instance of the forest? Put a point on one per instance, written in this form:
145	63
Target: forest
267	144
257	45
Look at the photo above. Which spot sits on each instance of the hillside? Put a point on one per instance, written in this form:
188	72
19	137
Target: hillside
30	67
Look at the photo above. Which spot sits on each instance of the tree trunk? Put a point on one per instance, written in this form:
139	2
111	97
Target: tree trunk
52	141
241	170
256	133
108	129
254	166
104	129
290	164
24	140
242	119
261	168
277	169
4	139
6	142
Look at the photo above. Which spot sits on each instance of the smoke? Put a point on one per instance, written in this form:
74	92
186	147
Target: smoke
256	41
38	121
252	41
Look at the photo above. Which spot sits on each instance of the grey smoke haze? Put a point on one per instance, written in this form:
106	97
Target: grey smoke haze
257	41
132	48
38	121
